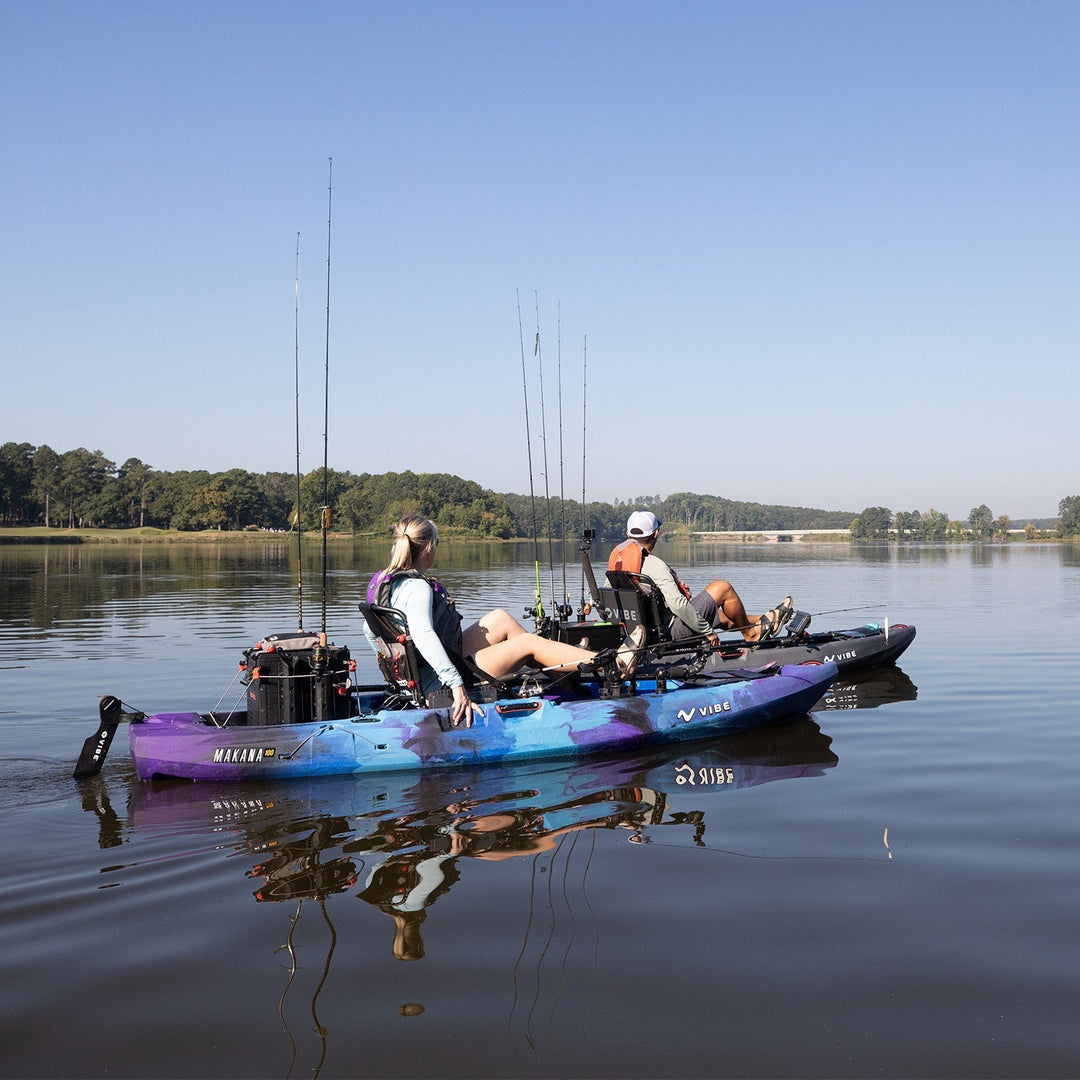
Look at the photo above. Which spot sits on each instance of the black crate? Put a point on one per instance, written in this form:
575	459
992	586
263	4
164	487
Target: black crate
288	685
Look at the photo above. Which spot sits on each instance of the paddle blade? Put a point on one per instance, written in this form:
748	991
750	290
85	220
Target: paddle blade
97	746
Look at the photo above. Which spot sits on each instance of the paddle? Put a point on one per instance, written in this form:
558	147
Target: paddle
97	746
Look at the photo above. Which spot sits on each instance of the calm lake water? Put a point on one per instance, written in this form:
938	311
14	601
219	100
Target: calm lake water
888	887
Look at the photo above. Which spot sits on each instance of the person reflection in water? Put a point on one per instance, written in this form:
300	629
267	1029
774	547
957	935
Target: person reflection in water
404	886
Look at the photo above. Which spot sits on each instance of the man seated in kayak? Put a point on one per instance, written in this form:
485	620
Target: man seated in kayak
498	644
717	606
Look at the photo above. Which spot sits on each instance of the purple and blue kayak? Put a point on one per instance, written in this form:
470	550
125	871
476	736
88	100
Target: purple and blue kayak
375	739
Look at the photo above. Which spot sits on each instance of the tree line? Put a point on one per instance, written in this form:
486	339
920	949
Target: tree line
879	523
82	488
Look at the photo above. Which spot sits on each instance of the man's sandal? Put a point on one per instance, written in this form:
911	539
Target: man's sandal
771	623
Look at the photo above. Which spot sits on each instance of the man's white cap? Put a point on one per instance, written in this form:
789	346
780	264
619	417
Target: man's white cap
642	523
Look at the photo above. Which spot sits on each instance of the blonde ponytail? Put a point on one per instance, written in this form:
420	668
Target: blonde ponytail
411	535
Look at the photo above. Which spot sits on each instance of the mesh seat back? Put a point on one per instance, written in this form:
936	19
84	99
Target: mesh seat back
395	650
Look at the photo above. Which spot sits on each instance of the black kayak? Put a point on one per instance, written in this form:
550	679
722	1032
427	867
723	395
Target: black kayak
851	650
857	649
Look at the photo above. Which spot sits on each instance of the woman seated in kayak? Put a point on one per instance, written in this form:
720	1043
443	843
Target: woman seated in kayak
498	644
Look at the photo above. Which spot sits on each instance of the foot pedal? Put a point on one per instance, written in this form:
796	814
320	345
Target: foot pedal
798	623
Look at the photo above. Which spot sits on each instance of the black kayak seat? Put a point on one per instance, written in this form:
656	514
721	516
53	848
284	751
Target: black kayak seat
402	668
636	600
395	650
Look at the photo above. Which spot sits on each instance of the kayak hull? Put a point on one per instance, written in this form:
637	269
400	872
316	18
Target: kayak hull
857	649
192	746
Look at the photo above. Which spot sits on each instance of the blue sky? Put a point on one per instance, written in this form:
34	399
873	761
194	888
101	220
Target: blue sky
822	254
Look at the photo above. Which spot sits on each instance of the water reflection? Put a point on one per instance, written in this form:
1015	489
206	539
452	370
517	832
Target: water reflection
457	554
984	554
872	553
53	586
485	812
400	843
868	690
400	837
909	552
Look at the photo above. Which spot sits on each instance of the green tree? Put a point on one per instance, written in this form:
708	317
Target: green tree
981	522
243	502
169	498
685	508
314	495
872	524
107	507
1069	513
355	510
908	523
213	505
133	480
1002	527
277	493
46	480
16	479
82	476
933	525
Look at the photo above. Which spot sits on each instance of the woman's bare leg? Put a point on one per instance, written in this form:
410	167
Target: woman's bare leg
495	626
509	655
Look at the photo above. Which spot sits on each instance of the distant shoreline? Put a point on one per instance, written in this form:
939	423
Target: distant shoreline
40	535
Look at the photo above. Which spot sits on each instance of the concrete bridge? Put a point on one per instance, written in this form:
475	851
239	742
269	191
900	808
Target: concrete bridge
770	536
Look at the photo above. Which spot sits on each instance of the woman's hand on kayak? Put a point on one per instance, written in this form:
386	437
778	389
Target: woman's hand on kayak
463	708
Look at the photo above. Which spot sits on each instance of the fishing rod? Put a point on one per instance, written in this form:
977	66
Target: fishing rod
537	610
296	380
585	606
543	439
326	406
843	610
563	610
796	626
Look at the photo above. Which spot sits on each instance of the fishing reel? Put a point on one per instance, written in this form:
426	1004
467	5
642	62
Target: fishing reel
540	621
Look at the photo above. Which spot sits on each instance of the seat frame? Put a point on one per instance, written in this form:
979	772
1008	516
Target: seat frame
396	652
401	666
